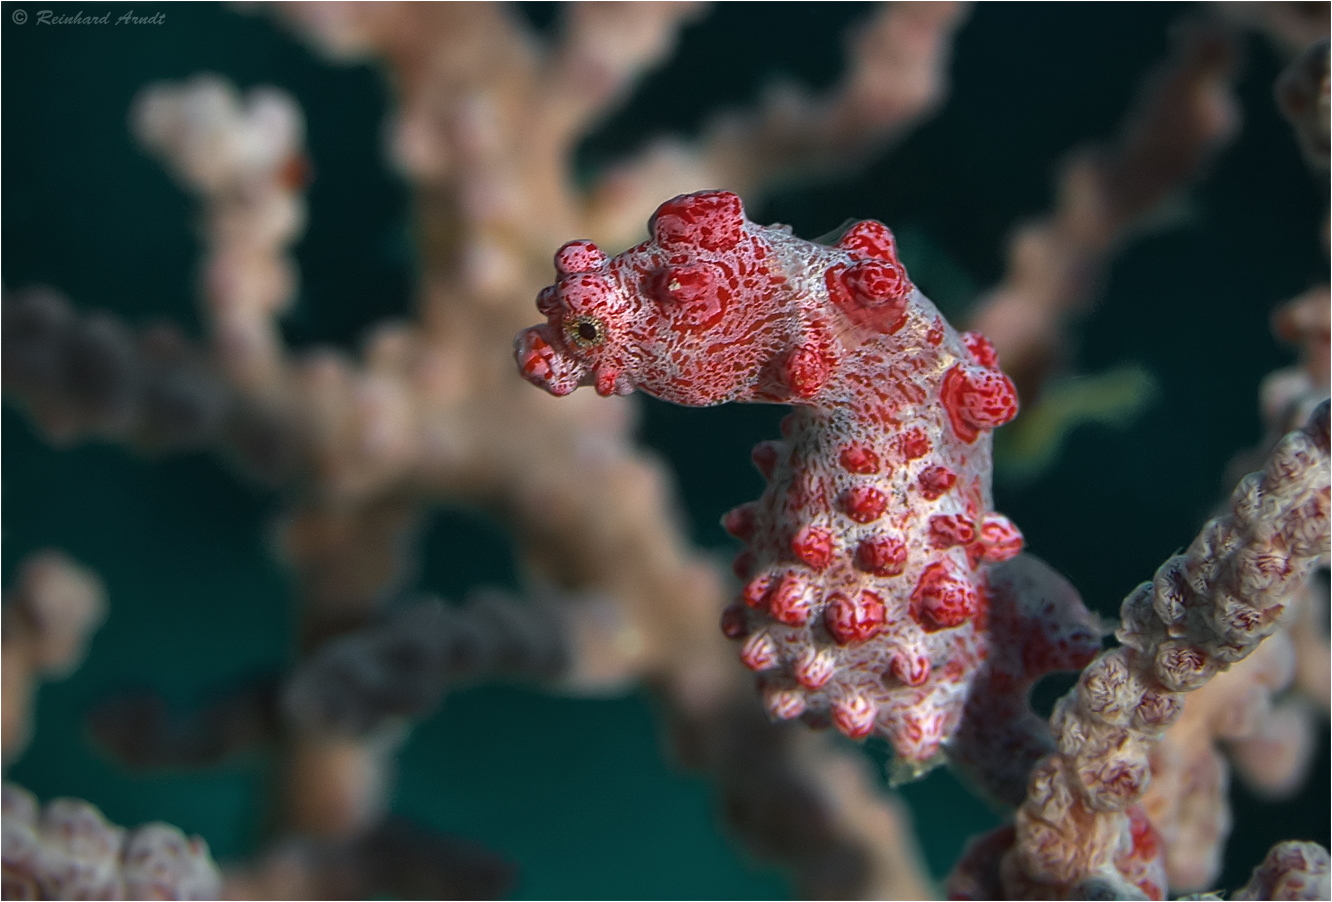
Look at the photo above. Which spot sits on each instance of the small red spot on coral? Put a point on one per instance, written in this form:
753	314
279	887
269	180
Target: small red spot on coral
975	554
710	220
586	294
755	591
864	503
1039	657
548	301
943	598
935	482
947	530
1121	782
923	730
606	379
734	624
783	704
759	652
1241	620
814	667
579	256
868	238
739	521
854	716
914	444
872	293
855	617
790	601
982	619
804	489
295	173
999	538
804	371
859	458
814	546
882	556
692	295
936	334
977	399
875	283
1182	667
535	363
764	457
1058	647
911	669
743	565
981	350
1146	841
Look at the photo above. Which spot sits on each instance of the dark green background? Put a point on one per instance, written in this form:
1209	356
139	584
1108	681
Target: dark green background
577	793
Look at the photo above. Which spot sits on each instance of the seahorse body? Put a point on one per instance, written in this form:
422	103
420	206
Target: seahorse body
865	569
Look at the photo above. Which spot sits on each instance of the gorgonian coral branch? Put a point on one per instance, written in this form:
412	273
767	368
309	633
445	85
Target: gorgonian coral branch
49	618
66	849
1185	114
1205	610
355	684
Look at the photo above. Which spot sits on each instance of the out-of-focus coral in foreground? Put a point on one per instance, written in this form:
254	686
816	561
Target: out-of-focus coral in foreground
319	766
67	850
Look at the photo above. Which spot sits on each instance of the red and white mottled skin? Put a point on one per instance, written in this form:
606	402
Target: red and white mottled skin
865	597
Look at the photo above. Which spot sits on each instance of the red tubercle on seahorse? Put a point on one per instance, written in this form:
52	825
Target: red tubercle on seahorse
865	562
977	399
859	458
813	545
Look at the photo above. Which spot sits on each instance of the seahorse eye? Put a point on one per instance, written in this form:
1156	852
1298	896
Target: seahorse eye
585	331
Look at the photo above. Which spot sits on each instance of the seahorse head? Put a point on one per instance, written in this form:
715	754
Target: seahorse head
692	315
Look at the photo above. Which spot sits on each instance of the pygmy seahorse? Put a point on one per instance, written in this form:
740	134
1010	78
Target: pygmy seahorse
865	594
